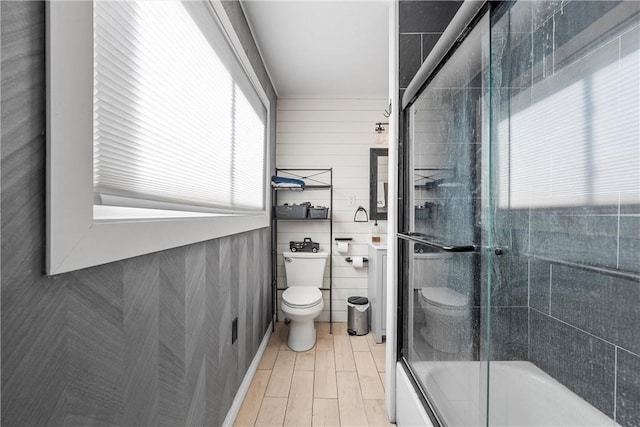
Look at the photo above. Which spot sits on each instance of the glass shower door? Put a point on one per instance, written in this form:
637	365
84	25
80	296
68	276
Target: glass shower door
440	244
520	235
563	207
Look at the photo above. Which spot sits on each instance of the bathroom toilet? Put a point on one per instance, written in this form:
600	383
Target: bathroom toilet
447	314
447	317
302	300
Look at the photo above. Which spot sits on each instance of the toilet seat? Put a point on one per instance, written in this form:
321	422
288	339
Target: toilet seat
444	297
301	297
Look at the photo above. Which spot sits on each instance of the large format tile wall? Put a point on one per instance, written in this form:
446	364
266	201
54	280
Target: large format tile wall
578	323
421	23
579	226
143	341
338	134
582	324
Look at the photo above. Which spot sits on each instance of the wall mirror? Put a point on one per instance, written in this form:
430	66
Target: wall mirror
378	183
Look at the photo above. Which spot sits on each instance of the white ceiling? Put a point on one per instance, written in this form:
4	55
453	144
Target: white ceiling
323	48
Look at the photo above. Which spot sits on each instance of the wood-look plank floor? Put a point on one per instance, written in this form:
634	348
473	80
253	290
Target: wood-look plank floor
339	382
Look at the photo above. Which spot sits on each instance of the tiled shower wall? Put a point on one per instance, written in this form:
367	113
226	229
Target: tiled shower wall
143	341
572	227
566	293
582	324
421	23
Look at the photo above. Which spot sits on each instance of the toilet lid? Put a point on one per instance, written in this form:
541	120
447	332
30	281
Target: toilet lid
301	296
444	297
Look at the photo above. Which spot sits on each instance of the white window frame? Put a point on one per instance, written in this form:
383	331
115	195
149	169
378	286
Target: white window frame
75	239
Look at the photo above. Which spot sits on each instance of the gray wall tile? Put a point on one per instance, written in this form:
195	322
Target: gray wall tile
428	42
582	362
422	16
628	389
629	250
510	283
584	235
539	285
509	333
410	54
420	25
575	18
600	304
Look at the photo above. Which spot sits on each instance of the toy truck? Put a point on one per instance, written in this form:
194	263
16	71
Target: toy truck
307	245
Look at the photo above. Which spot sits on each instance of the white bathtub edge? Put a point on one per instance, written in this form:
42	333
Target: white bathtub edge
409	409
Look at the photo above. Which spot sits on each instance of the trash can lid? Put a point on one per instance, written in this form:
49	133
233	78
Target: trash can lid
358	300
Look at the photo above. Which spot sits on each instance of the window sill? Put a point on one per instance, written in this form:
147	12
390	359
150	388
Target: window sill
108	240
79	236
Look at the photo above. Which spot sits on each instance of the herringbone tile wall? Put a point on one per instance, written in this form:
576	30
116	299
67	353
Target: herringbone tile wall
144	341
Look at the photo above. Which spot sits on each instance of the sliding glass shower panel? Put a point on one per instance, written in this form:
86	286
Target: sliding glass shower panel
440	243
565	209
521	250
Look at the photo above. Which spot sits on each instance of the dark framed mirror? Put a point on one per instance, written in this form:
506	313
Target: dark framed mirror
378	183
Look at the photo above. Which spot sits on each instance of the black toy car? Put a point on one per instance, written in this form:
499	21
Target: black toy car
305	246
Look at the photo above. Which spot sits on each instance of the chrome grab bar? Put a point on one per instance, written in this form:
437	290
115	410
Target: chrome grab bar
423	239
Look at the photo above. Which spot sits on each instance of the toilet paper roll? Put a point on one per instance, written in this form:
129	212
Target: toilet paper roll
343	247
358	261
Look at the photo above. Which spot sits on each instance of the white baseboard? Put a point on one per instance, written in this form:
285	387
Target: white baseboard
246	382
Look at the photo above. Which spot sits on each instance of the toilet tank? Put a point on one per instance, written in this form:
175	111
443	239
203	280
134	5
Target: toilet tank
304	268
431	269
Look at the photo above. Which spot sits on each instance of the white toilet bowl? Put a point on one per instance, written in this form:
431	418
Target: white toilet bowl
301	305
302	300
447	317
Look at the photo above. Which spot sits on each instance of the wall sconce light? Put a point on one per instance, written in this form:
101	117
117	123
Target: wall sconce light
379	128
381	133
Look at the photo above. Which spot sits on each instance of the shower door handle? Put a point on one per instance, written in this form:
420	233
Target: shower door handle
420	238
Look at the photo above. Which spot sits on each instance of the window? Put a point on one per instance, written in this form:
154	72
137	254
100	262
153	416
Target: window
151	100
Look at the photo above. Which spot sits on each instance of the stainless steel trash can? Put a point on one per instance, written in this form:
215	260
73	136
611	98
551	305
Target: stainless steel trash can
357	315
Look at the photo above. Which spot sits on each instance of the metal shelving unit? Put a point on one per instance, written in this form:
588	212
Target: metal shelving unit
315	180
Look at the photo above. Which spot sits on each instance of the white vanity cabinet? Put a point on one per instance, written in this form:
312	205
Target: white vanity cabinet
378	290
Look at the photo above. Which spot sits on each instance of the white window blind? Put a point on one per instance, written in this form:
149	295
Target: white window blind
177	123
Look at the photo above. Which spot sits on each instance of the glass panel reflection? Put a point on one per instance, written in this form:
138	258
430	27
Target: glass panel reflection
442	315
565	177
441	294
526	144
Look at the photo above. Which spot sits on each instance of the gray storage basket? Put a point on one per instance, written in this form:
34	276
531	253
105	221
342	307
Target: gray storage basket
319	213
291	211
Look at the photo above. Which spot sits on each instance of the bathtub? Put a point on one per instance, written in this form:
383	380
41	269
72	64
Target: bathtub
521	394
